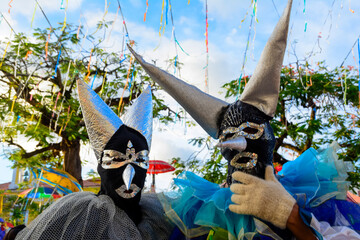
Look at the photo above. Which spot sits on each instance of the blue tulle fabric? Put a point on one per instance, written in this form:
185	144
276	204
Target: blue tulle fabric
199	205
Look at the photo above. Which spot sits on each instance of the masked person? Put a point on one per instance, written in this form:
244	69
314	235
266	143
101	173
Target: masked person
257	205
118	211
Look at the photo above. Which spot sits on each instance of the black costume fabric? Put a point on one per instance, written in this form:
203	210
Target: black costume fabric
236	114
111	179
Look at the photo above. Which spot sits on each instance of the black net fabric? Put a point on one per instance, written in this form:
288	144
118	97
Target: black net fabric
86	216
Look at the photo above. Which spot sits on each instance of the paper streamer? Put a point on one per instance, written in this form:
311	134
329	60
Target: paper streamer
47	44
359	68
161	18
33	16
88	67
103	83
28	53
57	99
17	56
207	51
350	9
147	6
65	10
57	63
304	11
13	103
3	58
10	6
126	84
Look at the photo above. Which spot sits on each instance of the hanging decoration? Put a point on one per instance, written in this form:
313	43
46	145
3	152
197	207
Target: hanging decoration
10	6
358	42
33	16
350	9
47	44
147	6
57	63
126	84
7	45
161	18
304	11
207	50
88	67
65	10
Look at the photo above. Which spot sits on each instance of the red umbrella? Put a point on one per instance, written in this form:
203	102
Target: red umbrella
156	167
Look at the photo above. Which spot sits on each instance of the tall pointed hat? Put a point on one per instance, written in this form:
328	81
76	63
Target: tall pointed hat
101	122
139	115
263	88
262	91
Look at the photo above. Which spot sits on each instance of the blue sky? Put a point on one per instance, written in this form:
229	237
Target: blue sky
335	21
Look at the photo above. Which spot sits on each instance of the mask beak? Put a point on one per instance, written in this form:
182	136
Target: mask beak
238	144
128	176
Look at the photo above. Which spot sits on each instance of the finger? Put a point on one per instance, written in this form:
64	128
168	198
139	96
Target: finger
239	209
238	199
269	174
244	177
238	188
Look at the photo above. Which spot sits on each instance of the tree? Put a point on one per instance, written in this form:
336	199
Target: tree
316	106
38	93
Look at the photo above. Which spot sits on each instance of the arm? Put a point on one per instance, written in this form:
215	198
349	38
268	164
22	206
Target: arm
297	226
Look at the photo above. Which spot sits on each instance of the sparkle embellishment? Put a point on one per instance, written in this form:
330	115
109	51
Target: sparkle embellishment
115	159
248	165
133	190
129	145
238	131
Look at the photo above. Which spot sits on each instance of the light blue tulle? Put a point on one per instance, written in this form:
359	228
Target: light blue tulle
316	176
200	205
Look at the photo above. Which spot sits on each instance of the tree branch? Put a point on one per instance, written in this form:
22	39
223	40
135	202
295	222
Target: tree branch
52	146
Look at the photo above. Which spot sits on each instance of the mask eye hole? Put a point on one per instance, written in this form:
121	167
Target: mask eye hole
250	130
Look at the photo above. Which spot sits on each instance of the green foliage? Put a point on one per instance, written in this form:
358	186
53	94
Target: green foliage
40	105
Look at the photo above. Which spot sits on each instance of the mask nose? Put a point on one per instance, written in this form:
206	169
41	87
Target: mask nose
128	176
238	144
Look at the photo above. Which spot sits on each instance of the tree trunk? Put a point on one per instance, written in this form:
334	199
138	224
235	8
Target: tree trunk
72	162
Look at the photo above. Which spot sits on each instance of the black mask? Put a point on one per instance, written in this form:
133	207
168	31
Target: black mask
126	144
239	113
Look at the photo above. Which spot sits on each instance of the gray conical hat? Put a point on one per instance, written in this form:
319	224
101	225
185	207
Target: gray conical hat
205	109
100	120
139	115
263	88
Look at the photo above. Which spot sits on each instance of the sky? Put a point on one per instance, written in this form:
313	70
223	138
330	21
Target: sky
319	30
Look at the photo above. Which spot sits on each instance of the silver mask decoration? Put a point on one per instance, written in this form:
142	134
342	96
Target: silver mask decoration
115	159
128	193
238	144
139	115
100	120
128	175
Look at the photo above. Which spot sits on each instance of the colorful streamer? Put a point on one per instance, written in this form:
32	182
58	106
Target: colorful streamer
10	6
126	84
3	58
33	16
147	6
28	53
103	83
359	68
207	50
65	10
88	67
47	44
161	18
57	63
304	11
